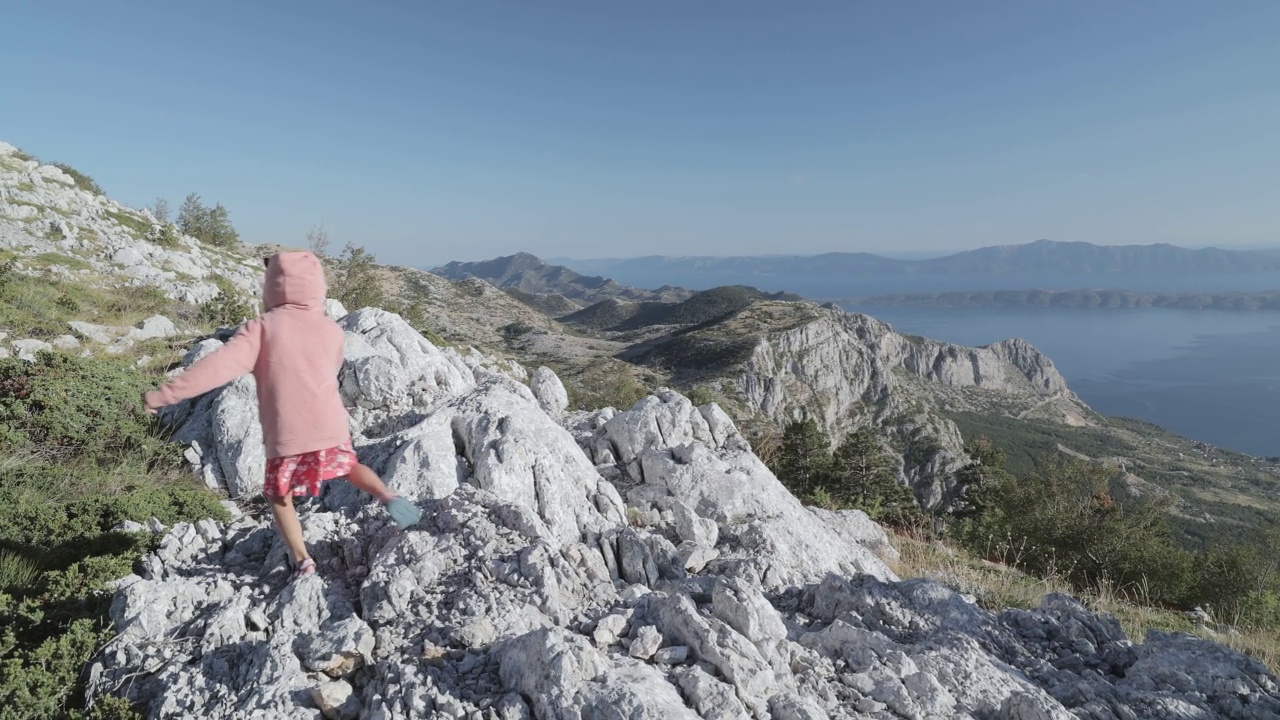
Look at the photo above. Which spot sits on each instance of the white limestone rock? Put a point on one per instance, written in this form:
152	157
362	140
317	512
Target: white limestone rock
549	391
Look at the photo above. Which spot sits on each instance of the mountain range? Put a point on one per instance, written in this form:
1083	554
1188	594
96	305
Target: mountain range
1076	258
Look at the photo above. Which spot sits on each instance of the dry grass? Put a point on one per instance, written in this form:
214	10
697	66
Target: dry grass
997	586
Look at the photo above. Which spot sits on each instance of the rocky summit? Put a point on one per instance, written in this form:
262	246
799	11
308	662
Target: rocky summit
633	564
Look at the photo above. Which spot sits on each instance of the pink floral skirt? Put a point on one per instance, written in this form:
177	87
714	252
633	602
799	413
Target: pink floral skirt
300	475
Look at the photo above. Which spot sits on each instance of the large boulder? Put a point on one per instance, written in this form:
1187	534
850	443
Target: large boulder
549	391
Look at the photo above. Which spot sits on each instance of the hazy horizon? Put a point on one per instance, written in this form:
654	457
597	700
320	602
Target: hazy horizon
471	131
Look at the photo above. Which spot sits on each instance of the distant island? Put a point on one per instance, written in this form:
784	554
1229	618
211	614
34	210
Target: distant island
1074	299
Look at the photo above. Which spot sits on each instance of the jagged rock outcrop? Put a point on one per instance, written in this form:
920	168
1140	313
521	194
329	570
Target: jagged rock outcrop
640	565
845	369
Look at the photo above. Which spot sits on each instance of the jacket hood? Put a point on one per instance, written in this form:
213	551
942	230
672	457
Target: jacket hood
295	278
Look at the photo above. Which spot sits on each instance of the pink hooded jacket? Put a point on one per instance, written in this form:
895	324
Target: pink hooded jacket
294	353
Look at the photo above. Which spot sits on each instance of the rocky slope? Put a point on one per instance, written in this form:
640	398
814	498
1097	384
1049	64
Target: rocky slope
543	285
636	564
55	228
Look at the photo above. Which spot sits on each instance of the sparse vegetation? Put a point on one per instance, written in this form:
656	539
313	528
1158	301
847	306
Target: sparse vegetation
228	308
355	282
605	383
318	241
77	457
140	227
84	182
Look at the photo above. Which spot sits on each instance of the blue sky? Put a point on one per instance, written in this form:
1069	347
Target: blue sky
430	131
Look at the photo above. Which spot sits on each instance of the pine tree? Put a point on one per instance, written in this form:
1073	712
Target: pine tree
208	225
193	217
220	230
804	462
976	480
161	210
863	478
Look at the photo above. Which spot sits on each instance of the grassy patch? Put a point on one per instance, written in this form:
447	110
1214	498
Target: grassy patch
41	307
50	259
136	225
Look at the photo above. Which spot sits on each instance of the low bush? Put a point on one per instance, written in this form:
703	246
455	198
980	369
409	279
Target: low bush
64	404
77	457
228	308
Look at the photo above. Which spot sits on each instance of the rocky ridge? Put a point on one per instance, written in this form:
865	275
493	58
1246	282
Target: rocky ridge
786	361
847	369
634	564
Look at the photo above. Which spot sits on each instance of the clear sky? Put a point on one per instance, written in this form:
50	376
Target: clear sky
430	131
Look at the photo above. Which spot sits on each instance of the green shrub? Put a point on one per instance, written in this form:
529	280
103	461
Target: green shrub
113	708
228	308
77	458
606	383
355	282
1064	521
62	403
84	182
164	235
701	395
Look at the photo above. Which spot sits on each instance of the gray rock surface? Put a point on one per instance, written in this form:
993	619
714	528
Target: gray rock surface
527	591
29	349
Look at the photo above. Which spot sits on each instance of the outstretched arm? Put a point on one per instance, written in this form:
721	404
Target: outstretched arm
237	357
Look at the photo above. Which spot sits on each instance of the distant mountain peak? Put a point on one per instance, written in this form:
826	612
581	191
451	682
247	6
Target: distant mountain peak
528	276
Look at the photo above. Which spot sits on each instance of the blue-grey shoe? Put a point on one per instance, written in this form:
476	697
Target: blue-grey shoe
405	513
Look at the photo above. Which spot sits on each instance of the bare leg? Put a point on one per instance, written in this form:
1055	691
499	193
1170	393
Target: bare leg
368	481
289	527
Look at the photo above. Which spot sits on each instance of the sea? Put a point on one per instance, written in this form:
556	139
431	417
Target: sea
1212	376
1209	375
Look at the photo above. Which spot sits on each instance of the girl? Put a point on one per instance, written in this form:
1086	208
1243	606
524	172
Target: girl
294	352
